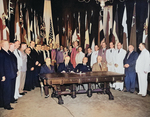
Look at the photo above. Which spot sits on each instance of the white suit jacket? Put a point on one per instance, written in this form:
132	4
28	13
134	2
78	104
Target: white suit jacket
18	55
94	57
143	61
110	58
79	57
118	59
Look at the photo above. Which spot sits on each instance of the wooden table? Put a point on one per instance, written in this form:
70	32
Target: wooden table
57	80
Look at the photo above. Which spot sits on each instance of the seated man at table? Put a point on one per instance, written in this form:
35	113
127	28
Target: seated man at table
83	67
66	66
45	69
99	66
80	68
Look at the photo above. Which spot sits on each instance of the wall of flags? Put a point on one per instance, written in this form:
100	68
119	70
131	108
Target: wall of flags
64	21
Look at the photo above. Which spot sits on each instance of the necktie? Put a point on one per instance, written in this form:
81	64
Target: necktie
46	53
18	52
128	55
118	51
111	51
100	66
103	51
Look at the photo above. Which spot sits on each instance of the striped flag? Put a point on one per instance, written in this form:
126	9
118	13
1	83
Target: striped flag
133	29
125	30
47	16
107	22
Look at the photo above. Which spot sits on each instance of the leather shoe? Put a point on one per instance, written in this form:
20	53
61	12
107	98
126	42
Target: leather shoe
14	102
22	93
9	108
16	99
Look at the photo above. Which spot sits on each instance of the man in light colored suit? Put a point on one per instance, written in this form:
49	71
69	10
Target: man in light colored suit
79	57
99	65
142	69
102	52
94	55
119	66
110	54
17	53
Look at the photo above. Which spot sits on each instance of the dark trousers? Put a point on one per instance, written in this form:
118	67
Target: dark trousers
13	83
29	80
6	92
130	81
37	71
1	94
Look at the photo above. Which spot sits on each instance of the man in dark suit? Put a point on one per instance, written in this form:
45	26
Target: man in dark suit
83	67
129	64
66	66
45	69
14	59
33	55
30	71
88	55
7	73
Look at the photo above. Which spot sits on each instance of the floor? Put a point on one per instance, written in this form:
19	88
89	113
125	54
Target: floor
124	105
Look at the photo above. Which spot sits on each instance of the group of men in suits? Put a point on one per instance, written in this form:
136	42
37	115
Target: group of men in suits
119	61
20	66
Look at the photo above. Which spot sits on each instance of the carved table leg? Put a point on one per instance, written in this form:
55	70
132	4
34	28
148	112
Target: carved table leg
108	92
60	100
89	91
73	93
53	93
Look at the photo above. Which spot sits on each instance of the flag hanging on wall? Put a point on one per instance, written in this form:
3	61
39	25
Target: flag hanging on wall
47	17
86	43
125	30
115	29
17	25
28	27
133	29
145	32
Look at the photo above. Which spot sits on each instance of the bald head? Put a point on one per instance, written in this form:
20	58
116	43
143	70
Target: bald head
5	45
11	47
131	48
99	59
85	60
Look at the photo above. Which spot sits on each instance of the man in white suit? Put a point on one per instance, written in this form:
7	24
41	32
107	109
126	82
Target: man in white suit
110	55
94	55
118	63
79	57
17	53
142	69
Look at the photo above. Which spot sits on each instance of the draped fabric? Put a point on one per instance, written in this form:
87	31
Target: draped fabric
125	30
47	16
115	40
133	29
17	25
